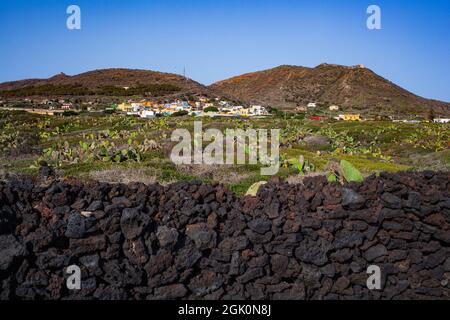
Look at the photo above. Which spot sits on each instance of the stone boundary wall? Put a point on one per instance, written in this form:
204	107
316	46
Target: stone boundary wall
193	241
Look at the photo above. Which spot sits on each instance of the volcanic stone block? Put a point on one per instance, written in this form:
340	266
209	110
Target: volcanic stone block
87	245
133	222
78	225
260	226
10	249
167	237
203	237
375	252
173	291
352	199
206	282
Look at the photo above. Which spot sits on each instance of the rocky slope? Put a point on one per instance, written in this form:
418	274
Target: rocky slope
112	77
354	87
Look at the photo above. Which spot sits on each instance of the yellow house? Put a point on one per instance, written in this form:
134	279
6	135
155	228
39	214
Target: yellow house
125	107
147	103
350	117
243	112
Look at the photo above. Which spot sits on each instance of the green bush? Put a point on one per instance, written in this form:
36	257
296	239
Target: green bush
180	113
211	109
69	113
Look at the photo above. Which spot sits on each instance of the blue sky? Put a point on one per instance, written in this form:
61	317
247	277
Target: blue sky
218	39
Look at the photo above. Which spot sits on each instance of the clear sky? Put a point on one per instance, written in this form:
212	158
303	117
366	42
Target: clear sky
216	39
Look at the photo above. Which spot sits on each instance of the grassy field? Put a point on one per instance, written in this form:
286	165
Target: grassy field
117	148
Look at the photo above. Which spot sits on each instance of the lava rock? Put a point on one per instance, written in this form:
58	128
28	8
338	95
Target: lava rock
133	223
78	225
352	199
10	249
260	226
167	237
375	252
203	237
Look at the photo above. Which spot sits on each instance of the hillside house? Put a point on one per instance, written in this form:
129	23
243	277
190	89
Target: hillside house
301	109
316	118
350	117
333	108
258	111
136	107
312	105
441	120
125	107
148	114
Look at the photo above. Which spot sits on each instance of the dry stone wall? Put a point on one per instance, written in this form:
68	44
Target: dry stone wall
195	241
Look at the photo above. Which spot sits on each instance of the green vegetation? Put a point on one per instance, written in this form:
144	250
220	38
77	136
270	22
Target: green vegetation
109	147
211	109
78	90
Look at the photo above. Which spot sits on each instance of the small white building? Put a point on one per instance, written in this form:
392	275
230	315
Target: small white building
136	107
334	108
411	121
147	114
312	105
258	111
441	120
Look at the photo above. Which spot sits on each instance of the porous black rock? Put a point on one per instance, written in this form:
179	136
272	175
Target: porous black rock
167	237
133	222
10	249
191	240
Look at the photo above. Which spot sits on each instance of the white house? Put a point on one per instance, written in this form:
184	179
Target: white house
312	105
411	121
333	108
136	107
147	114
441	120
258	111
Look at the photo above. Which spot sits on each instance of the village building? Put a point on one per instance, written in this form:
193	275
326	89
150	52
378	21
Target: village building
349	117
333	108
316	118
258	111
147	114
441	120
124	107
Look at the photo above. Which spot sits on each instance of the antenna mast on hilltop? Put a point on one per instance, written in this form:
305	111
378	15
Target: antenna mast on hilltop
184	73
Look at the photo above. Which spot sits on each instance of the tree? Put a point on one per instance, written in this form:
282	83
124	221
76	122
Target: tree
431	114
211	109
180	113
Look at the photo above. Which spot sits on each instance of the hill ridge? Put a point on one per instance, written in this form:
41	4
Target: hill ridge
354	87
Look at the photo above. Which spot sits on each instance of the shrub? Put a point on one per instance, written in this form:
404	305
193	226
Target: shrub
211	109
180	113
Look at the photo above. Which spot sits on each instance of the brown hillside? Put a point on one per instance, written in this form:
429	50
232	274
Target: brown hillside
112	77
355	87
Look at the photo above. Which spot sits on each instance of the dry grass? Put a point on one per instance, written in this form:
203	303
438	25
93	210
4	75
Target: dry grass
298	179
123	175
221	174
